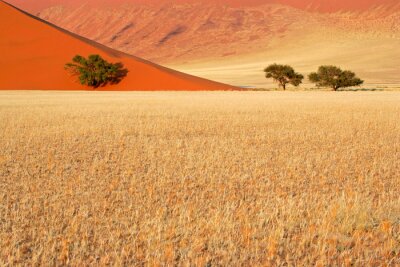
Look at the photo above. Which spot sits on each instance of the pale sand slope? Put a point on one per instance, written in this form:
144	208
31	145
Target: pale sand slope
375	60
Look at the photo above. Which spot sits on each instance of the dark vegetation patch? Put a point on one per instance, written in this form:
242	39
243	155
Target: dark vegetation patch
120	32
178	30
208	25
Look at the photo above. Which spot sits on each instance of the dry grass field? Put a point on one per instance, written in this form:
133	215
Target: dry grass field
200	179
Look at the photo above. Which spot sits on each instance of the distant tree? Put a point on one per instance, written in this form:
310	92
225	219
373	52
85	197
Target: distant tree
334	77
283	75
94	71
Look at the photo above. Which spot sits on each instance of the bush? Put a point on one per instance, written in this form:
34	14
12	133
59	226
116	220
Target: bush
283	74
334	77
95	71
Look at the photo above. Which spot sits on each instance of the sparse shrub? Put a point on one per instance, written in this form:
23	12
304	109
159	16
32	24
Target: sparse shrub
94	71
283	74
334	77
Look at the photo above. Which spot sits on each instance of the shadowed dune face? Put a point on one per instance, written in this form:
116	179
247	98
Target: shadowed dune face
232	41
33	54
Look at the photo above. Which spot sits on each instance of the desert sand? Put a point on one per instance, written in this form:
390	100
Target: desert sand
33	54
232	41
316	5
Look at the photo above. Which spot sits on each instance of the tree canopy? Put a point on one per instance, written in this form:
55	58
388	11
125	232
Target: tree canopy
334	77
283	75
94	71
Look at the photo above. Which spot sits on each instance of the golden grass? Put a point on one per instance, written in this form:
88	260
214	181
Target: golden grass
200	179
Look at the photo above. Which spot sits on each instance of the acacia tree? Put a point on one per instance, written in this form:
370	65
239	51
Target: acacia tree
94	71
283	75
334	77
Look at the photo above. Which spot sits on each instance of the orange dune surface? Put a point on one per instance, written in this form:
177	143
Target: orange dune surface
320	5
33	54
231	41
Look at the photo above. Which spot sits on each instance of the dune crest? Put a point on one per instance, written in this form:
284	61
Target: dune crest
33	54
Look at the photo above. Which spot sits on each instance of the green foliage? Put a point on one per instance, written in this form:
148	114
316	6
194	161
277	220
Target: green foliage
94	71
283	74
334	77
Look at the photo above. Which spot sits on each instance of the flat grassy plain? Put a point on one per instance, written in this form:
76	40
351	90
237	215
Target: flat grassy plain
200	178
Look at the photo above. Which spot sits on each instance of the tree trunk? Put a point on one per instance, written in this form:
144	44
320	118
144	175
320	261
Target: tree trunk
284	87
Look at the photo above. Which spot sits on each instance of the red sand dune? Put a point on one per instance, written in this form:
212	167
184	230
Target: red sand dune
320	5
231	41
33	54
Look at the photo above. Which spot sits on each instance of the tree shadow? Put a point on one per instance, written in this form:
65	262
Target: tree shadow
360	90
120	74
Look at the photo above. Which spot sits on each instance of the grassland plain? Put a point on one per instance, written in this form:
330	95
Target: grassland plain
200	179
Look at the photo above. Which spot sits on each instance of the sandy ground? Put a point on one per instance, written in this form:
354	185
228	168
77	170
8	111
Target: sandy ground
200	178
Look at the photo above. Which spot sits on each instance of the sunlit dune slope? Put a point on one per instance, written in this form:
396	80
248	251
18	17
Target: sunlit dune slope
317	5
33	54
232	41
